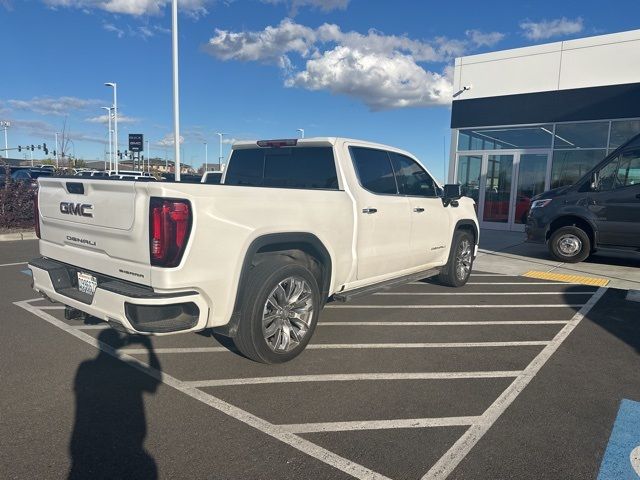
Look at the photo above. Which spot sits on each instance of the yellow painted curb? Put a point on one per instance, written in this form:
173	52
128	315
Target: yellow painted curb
562	277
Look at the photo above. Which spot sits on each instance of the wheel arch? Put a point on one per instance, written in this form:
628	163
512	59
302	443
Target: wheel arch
286	243
468	225
572	220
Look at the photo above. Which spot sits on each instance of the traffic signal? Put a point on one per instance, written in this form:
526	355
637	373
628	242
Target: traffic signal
32	148
19	148
45	149
55	154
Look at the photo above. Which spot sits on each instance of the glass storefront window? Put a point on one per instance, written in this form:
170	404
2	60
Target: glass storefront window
502	138
469	175
531	175
581	135
497	191
621	131
569	165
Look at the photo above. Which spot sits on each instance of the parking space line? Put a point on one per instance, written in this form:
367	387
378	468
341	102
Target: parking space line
484	293
53	307
555	305
450	460
12	264
99	326
333	346
491	275
522	283
443	324
380	424
354	469
351	377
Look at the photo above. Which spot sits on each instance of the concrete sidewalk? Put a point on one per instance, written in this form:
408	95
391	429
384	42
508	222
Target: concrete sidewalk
507	252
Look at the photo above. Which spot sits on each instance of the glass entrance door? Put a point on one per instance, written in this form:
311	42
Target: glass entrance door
508	181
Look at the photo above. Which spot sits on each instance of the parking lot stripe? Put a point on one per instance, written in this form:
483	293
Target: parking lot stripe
519	283
484	293
380	424
350	377
333	346
491	275
53	307
99	326
456	306
442	324
354	469
13	264
450	460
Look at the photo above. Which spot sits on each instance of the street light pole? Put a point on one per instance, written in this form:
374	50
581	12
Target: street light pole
108	109
206	157
301	130
148	157
57	152
6	141
115	120
220	135
176	89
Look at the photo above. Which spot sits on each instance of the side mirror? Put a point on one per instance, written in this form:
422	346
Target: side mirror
452	191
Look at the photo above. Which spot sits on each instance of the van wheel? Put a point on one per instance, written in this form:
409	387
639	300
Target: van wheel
458	268
279	311
569	244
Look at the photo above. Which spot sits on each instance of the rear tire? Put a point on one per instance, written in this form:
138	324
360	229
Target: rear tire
458	268
279	311
569	244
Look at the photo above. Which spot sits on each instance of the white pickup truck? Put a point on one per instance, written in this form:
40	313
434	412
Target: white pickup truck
293	224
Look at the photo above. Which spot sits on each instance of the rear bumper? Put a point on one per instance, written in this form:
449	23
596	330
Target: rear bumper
137	308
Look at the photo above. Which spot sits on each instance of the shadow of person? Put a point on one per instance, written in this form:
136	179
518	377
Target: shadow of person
110	423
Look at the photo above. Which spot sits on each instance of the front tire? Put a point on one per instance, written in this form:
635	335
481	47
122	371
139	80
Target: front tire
279	313
458	268
569	244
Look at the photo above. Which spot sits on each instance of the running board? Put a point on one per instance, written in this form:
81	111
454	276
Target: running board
387	284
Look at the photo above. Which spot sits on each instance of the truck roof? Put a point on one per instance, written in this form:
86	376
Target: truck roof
319	142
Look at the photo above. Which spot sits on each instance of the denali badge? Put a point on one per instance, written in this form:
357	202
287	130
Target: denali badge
82	209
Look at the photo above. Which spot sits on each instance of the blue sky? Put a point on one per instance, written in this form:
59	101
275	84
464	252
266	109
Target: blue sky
368	69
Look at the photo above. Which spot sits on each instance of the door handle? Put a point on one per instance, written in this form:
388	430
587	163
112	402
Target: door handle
369	210
418	209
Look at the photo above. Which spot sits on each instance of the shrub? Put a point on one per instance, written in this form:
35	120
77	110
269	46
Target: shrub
16	202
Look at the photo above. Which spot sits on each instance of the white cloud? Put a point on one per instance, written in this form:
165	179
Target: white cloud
484	39
324	5
381	70
168	140
109	27
381	81
133	7
53	106
105	119
551	28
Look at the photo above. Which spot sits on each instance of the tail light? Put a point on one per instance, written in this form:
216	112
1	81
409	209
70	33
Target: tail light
169	228
36	214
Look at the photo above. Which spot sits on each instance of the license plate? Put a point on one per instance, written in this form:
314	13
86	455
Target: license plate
87	283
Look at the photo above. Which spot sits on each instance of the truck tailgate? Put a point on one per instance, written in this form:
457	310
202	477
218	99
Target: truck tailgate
100	225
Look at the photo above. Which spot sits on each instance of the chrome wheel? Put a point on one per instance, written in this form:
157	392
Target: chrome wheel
287	314
464	259
569	245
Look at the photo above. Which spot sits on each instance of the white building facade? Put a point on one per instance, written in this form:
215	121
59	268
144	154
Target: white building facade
530	119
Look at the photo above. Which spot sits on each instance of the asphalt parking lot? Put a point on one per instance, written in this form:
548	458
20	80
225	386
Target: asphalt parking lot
508	377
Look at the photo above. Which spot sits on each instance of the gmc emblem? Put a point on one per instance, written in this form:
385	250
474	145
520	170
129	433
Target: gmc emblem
82	209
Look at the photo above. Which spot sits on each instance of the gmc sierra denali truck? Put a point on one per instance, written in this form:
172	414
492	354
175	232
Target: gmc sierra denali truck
293	224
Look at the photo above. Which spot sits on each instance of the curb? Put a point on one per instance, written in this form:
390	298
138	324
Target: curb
12	237
633	295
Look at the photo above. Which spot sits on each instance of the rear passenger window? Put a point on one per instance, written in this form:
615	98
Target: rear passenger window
374	170
629	169
412	178
295	167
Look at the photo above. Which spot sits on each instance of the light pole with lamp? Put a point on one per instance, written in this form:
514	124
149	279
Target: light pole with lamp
108	109
115	120
57	152
206	157
5	125
220	135
176	89
301	130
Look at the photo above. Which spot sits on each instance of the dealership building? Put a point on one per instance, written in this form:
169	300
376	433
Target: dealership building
530	119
